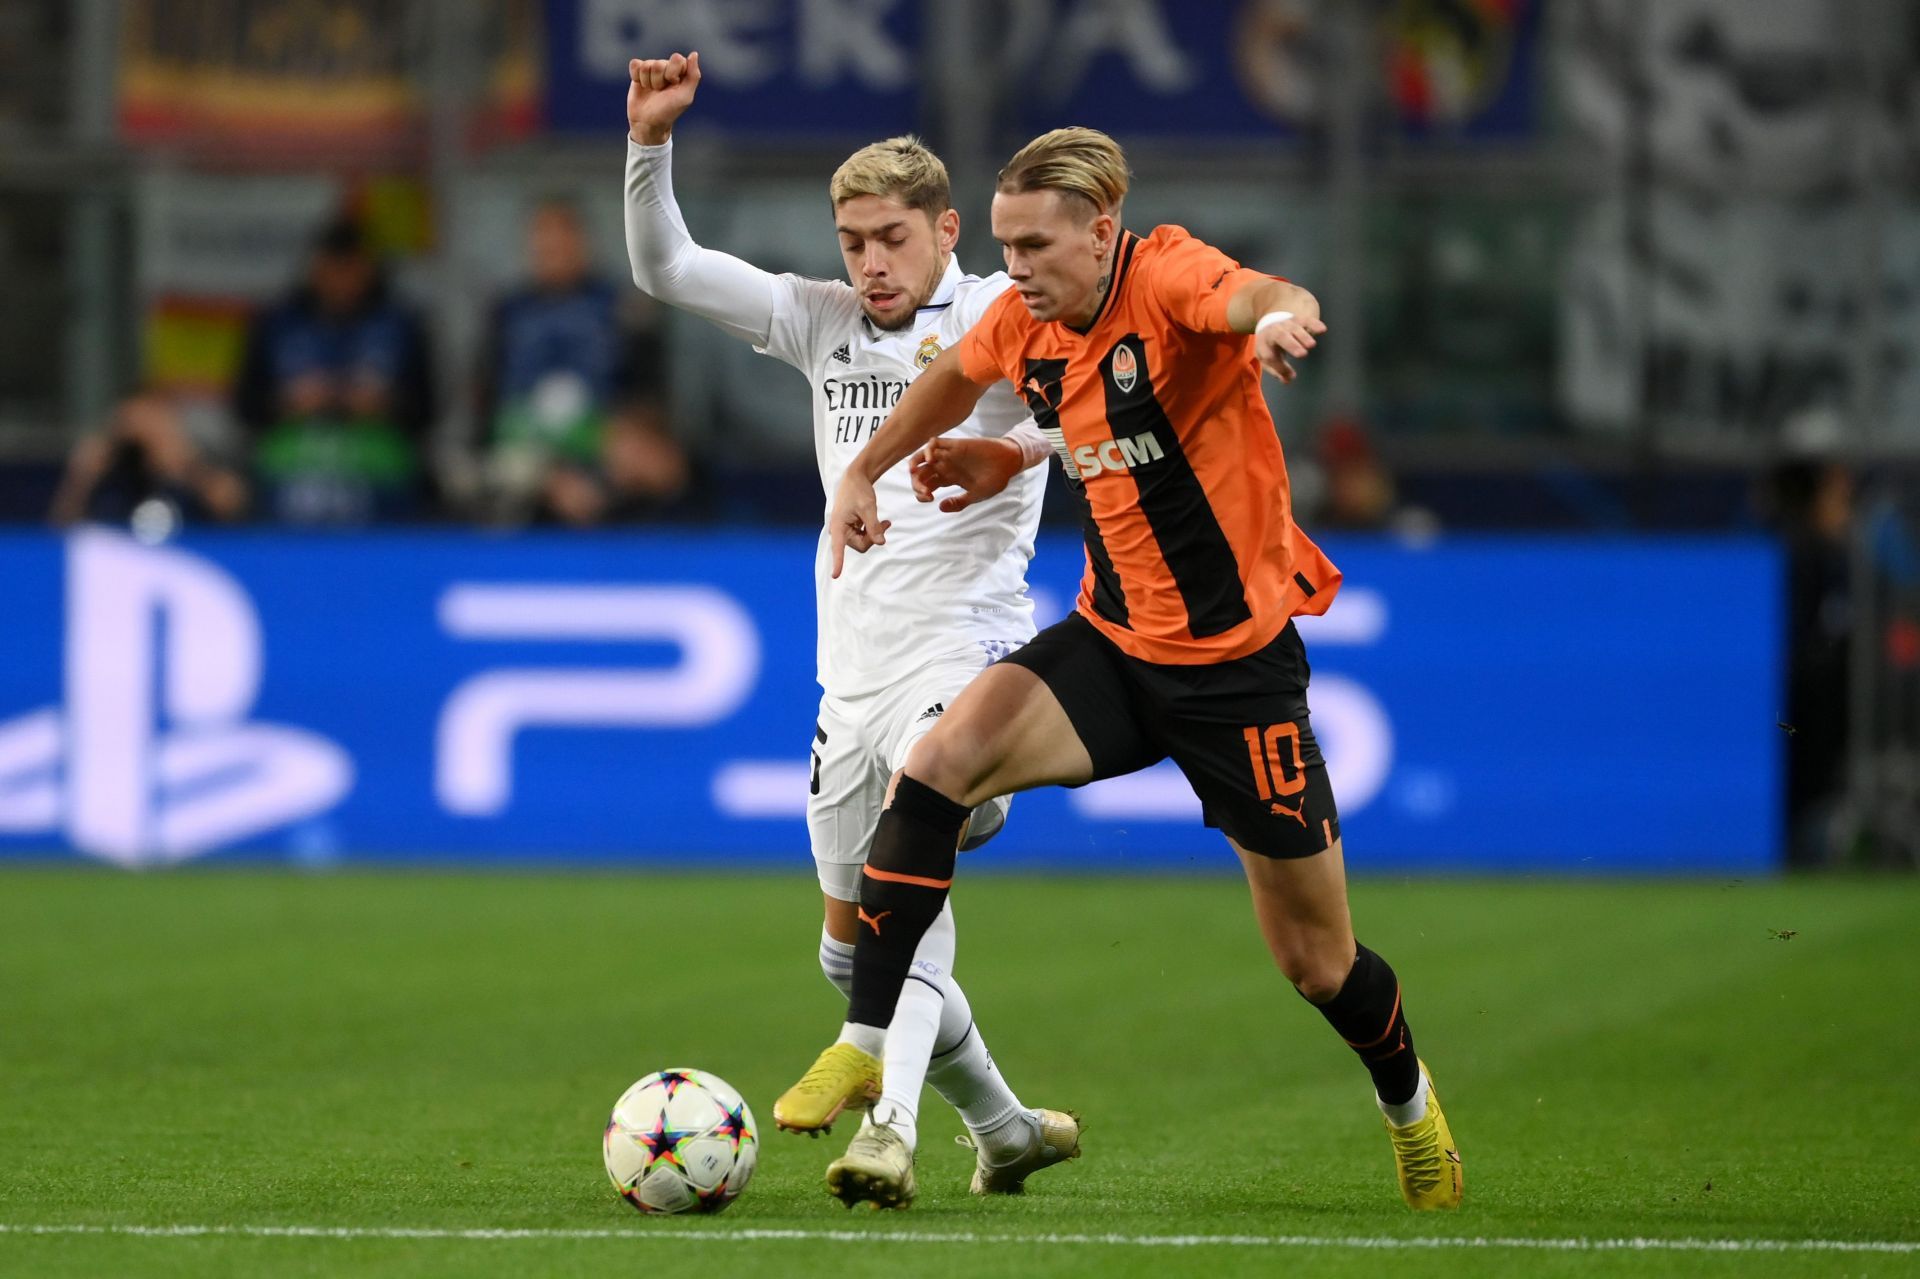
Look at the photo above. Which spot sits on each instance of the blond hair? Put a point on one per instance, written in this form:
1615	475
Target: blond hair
1081	163
902	169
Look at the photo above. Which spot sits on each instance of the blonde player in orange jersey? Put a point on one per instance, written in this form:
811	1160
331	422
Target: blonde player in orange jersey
1141	360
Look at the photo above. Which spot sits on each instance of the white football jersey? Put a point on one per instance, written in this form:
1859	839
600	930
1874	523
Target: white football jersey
942	581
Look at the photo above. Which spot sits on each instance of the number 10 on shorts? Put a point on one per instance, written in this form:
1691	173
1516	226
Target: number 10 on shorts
1271	775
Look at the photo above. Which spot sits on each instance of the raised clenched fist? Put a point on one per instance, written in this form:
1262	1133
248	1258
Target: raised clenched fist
661	89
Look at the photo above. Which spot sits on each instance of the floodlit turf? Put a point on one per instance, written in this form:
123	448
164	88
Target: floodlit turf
379	1052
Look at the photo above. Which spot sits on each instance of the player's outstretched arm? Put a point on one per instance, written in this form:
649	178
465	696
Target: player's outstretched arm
940	399
979	468
1283	318
667	263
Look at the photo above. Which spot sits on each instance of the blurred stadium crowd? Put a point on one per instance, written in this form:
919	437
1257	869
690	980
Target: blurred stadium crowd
336	400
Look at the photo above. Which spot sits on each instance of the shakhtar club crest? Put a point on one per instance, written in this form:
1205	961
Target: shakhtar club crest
1125	368
929	352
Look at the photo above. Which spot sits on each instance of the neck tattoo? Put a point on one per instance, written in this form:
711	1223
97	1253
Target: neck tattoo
1100	288
1104	283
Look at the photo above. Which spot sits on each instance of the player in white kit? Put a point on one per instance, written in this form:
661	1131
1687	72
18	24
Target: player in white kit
900	635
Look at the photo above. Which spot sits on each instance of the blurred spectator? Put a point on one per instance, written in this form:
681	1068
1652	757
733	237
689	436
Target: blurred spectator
649	474
336	393
1357	491
569	394
1811	500
144	468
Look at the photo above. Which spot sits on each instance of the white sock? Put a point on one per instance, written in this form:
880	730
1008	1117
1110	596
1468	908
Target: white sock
871	1040
962	1070
894	1117
836	961
916	1023
1410	1111
903	1124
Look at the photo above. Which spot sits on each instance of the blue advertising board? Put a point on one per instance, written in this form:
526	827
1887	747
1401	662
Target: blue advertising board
1484	704
1233	70
1254	68
846	69
856	70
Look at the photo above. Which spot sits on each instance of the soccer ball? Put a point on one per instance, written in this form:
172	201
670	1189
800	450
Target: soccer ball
680	1141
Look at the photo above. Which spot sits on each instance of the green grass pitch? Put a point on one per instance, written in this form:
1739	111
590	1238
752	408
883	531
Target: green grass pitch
436	1052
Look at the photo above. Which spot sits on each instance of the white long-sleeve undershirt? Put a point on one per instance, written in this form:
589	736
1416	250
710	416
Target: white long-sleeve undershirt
669	266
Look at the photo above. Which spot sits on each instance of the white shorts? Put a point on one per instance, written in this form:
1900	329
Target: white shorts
858	745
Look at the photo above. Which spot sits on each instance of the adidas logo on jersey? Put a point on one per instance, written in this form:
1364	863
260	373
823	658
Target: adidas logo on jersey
934	711
844	353
1117	455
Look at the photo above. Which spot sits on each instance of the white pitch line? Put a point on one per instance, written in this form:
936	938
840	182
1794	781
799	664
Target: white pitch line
750	1235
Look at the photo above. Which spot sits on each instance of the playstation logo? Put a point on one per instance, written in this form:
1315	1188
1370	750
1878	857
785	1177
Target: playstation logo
153	758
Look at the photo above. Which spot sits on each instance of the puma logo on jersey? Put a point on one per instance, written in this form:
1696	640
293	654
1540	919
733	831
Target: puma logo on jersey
1118	455
871	921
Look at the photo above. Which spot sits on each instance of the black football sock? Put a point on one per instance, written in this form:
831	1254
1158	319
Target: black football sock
1368	1015
909	870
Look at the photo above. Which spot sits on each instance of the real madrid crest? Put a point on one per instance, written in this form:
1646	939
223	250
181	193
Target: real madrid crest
929	351
1125	367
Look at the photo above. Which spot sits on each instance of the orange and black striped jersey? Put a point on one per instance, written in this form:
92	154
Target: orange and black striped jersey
1156	411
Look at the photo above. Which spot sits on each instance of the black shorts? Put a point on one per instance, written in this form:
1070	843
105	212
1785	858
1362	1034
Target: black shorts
1237	729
